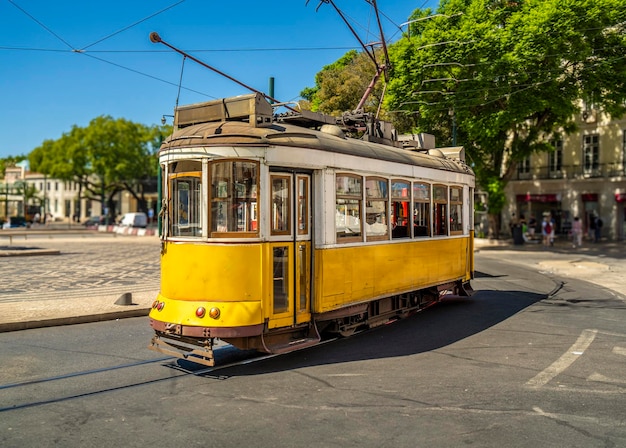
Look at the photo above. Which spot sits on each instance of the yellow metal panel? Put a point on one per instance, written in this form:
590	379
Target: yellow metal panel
223	273
348	275
232	314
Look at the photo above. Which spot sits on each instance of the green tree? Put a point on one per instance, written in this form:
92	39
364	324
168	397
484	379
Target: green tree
502	76
104	158
340	86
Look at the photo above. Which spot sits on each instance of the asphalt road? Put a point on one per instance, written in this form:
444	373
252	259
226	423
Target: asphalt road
531	360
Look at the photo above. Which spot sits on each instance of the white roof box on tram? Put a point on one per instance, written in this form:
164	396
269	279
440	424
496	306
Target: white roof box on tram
252	108
417	142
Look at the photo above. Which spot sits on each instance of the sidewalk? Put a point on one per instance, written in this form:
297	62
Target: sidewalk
603	264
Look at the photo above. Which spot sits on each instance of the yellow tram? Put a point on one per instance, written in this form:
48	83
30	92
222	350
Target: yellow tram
278	229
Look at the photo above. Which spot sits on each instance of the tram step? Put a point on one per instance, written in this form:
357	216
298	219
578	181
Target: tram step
293	345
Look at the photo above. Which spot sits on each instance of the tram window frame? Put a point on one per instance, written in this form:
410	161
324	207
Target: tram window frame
303	201
234	199
400	208
189	207
440	209
348	204
280	219
421	210
377	215
456	210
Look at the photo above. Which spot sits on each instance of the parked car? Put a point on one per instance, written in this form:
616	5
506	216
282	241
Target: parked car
93	221
14	222
134	220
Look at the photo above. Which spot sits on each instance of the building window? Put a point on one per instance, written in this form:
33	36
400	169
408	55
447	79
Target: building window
555	158
349	196
421	210
591	155
376	209
523	167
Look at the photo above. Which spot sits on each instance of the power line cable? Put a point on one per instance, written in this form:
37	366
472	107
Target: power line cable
41	24
132	25
149	76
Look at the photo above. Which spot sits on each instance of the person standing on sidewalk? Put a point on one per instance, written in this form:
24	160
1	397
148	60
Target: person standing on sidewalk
598	229
546	230
577	232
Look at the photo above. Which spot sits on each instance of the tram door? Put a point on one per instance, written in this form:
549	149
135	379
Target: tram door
290	231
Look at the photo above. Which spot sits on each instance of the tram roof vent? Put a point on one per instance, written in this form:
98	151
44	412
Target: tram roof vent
252	108
417	142
454	152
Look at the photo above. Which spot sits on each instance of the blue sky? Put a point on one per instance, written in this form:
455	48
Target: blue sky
47	86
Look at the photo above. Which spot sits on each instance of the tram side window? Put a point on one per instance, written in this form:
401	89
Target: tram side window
233	200
348	197
376	209
440	202
456	210
421	210
400	200
185	191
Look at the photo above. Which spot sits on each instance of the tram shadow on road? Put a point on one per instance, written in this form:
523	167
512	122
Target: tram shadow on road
443	324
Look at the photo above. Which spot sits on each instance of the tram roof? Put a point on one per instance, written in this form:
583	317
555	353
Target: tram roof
328	138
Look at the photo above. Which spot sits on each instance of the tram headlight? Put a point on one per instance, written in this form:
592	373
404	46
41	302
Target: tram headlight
214	313
200	312
160	306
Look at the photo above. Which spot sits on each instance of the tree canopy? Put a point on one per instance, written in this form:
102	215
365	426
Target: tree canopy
507	74
499	77
107	156
339	86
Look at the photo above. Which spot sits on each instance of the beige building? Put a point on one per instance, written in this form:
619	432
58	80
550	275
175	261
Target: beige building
585	176
61	198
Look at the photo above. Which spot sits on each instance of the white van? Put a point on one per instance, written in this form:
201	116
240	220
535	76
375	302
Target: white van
134	220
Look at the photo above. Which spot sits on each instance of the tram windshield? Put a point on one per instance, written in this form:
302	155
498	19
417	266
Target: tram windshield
231	197
185	199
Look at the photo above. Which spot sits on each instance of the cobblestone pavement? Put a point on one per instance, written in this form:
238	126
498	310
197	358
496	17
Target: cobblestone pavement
99	265
85	278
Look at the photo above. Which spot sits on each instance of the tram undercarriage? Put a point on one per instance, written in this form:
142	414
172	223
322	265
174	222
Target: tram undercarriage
171	339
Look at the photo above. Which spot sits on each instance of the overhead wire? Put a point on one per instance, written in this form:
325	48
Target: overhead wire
133	24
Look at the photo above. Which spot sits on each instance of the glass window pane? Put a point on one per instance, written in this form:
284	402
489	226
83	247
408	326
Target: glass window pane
421	219
376	218
185	212
376	188
234	196
348	218
348	200
348	185
280	205
303	205
281	280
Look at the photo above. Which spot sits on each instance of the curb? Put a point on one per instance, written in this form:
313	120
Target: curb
73	320
27	252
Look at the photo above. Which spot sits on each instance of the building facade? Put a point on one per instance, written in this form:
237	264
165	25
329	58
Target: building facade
584	176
